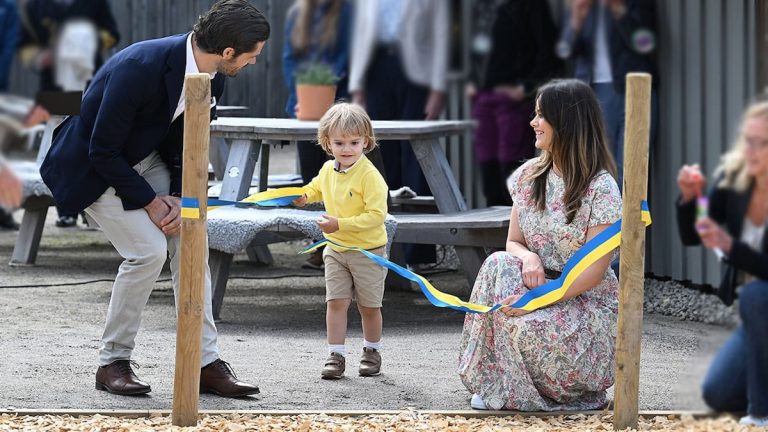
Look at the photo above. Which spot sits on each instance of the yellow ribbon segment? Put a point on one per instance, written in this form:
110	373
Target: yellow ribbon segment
190	213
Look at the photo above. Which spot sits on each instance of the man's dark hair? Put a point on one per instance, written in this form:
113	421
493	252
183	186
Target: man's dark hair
231	23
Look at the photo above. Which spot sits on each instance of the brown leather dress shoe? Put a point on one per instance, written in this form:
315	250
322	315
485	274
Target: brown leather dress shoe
118	378
219	378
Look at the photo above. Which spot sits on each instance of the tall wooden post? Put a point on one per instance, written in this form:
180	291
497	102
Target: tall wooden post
190	305
632	249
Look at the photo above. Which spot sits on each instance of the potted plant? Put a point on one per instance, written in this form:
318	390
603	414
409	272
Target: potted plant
315	90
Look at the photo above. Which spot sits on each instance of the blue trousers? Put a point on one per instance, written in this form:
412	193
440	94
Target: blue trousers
737	380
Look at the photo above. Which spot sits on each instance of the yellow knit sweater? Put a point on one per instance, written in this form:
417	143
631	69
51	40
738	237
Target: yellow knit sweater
358	198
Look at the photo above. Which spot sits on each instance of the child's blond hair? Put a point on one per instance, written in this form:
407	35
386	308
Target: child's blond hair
345	119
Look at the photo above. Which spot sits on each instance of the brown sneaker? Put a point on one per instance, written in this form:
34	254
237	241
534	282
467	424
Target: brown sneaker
370	362
334	366
118	378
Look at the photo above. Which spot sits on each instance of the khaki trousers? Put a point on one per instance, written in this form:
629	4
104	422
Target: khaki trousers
144	249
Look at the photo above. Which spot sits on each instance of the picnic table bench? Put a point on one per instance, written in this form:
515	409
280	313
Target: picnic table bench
469	231
36	199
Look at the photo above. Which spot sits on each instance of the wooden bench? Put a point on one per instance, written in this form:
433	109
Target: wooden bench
472	228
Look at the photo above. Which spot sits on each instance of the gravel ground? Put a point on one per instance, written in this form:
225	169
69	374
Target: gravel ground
671	298
272	332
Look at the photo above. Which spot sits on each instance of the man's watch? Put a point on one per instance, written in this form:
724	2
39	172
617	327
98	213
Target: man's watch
175	194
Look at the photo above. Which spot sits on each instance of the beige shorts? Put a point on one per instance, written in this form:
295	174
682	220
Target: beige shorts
351	272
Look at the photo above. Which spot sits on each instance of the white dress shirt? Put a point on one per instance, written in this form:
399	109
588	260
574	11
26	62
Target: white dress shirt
191	68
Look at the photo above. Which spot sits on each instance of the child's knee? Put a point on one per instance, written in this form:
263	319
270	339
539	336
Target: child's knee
366	310
339	304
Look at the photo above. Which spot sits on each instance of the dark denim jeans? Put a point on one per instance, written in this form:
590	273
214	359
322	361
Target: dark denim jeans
738	377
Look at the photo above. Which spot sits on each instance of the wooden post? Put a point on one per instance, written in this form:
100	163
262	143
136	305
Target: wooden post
632	249
190	305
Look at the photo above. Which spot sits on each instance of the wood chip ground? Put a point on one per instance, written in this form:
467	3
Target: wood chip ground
403	422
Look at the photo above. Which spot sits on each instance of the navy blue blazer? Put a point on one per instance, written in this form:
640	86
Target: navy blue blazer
126	114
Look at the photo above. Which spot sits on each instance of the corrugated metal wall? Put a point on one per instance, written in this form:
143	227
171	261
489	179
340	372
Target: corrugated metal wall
708	73
707	57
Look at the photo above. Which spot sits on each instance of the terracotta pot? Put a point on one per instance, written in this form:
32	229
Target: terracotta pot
314	100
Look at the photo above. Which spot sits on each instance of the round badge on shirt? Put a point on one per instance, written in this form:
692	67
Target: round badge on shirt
482	44
643	41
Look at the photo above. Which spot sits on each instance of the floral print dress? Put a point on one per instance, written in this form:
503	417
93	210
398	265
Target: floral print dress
560	357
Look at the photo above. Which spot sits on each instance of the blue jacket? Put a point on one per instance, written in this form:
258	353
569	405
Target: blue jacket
336	56
125	115
9	36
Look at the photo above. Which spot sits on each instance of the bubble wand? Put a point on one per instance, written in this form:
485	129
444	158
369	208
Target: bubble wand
702	211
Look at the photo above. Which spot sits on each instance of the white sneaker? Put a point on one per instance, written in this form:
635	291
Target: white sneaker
749	420
477	402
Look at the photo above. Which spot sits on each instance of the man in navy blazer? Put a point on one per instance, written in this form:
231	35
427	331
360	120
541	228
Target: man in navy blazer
120	161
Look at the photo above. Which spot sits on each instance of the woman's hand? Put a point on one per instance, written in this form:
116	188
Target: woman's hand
533	270
714	237
509	311
691	181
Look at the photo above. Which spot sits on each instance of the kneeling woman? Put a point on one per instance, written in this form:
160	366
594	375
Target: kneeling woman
560	357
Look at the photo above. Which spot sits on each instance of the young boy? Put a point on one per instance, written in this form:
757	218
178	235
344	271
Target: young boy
355	198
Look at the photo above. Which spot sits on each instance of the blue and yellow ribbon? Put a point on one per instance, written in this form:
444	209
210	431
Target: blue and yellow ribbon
436	297
544	295
599	246
190	207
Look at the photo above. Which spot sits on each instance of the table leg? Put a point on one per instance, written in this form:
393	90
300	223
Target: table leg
257	253
239	172
448	197
235	185
219	263
25	249
218	154
264	165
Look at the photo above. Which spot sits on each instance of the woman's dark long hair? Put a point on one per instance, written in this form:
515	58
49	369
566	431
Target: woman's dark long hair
579	146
